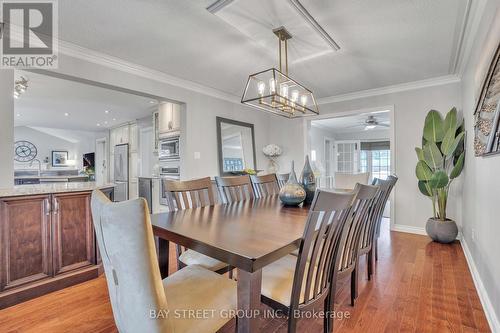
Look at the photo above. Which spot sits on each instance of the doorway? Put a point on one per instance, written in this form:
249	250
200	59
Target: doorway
101	165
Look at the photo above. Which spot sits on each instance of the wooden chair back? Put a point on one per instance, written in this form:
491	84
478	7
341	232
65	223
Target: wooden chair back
189	194
318	252
232	189
357	224
386	187
282	179
265	185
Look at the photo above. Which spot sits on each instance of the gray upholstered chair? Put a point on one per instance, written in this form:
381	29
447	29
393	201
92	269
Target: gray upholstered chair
137	292
301	283
347	181
189	194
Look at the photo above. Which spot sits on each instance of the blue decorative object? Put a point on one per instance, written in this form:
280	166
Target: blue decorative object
292	193
308	181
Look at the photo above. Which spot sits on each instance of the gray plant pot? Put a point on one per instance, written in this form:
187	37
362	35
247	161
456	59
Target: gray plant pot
441	231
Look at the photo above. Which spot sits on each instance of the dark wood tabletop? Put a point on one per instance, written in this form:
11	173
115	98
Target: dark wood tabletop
247	235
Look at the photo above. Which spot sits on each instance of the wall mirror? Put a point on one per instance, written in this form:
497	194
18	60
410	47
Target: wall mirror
236	146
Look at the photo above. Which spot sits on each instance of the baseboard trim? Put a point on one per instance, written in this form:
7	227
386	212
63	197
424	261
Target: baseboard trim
481	290
408	229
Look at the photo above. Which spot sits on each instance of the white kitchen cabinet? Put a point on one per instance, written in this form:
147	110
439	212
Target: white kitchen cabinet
169	118
133	139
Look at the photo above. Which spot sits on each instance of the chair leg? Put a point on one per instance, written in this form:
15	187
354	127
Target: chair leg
292	323
369	263
328	318
231	272
354	285
376	248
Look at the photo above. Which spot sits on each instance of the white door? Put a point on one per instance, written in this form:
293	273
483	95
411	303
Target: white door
101	166
347	156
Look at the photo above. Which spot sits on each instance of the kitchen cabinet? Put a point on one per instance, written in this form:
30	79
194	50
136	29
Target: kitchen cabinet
25	250
72	232
133	138
47	242
169	121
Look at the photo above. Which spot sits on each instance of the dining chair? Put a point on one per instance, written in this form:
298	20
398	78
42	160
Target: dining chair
348	181
299	283
193	194
141	301
282	179
265	185
387	185
362	212
232	189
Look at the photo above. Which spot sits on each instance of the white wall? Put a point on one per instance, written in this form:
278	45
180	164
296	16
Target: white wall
410	108
46	140
481	190
370	135
198	115
6	127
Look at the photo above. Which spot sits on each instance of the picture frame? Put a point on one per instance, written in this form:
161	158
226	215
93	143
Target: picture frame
487	112
59	158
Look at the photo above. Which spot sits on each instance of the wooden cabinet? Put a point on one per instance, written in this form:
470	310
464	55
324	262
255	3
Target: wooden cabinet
169	115
72	232
47	242
25	250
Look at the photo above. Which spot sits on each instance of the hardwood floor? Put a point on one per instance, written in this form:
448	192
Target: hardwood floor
418	286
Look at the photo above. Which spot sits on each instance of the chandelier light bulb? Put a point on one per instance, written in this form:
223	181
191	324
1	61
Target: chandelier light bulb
284	90
261	87
272	86
303	100
295	95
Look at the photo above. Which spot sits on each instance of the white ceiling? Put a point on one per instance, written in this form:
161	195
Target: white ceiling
354	123
47	99
383	42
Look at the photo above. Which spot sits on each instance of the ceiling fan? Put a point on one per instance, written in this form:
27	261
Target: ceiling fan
371	123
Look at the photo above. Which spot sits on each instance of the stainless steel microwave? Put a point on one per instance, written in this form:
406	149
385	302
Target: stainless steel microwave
169	148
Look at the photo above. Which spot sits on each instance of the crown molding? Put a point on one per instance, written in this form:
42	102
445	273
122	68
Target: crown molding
102	59
437	81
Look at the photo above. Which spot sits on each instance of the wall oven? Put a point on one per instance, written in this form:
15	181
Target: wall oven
168	170
169	148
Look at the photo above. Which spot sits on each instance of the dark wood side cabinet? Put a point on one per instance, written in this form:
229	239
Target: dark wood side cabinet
47	242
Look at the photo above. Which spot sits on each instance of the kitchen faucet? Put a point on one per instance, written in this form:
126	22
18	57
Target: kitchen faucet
39	165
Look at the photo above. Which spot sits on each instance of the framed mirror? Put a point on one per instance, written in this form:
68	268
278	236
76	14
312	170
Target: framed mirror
236	146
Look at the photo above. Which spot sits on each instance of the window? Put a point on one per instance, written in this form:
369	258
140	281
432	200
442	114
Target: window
375	158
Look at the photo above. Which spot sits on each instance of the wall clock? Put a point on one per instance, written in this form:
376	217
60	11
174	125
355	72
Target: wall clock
25	151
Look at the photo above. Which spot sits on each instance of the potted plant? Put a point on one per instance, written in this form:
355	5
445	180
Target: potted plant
440	161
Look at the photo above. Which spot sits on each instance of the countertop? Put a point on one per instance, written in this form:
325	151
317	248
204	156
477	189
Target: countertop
50	177
21	190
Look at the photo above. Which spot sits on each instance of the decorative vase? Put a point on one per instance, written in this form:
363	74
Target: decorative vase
308	181
273	166
292	193
441	231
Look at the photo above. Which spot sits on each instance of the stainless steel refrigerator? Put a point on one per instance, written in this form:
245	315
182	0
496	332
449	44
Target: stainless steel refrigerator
121	172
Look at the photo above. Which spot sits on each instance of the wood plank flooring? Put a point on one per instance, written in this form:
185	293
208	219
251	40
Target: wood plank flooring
418	286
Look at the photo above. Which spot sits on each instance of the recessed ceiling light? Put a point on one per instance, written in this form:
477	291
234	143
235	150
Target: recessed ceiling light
105	122
66	114
114	119
98	124
106	111
19	115
152	102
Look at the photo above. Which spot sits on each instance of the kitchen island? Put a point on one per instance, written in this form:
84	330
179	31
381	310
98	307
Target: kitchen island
47	241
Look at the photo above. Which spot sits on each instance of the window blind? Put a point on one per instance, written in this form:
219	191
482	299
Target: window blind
376	145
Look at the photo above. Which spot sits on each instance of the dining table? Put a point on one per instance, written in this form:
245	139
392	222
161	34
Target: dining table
247	235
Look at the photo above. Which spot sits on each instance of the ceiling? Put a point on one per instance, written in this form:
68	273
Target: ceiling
48	99
383	42
355	123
